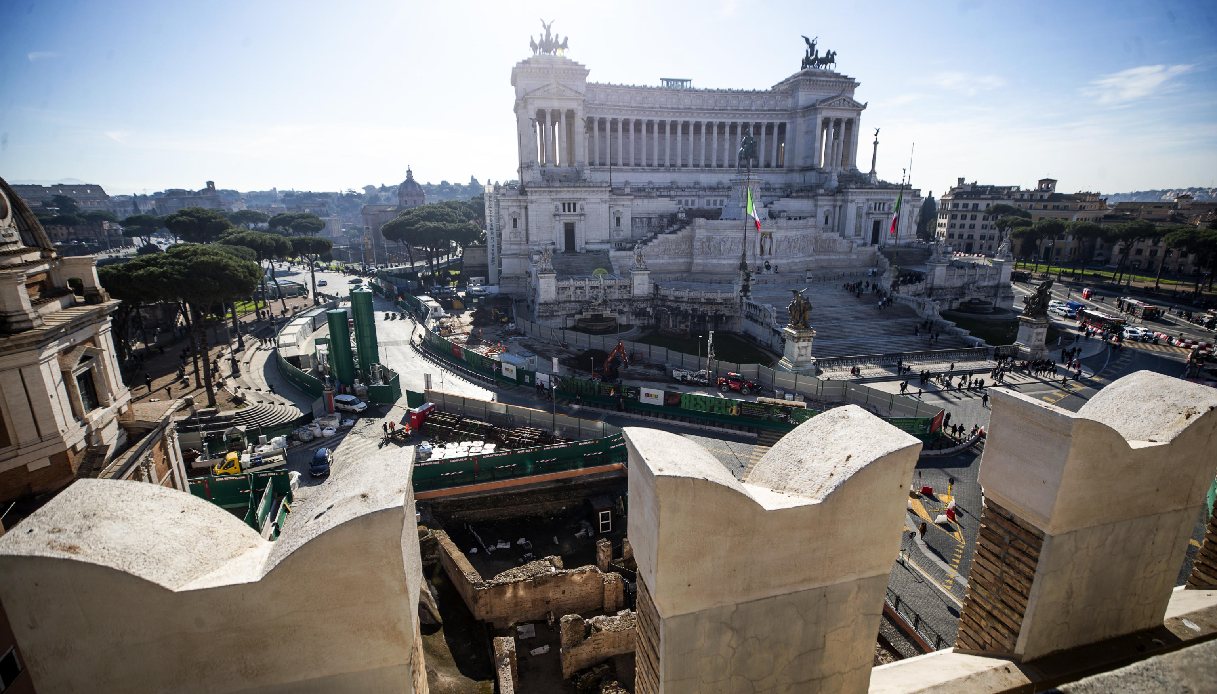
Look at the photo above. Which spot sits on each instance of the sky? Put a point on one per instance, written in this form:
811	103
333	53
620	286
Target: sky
1107	96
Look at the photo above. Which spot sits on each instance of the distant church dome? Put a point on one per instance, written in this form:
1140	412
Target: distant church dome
410	193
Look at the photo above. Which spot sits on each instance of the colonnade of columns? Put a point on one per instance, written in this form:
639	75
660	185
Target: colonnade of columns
645	142
556	134
836	143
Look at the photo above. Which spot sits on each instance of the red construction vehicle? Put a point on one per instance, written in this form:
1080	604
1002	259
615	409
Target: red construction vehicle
608	370
736	382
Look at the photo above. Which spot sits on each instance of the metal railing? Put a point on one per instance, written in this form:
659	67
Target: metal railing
915	622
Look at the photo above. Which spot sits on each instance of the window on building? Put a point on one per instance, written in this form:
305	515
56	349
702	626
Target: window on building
515	222
606	521
953	216
1139	251
975	206
618	220
1153	252
570	207
88	391
971	226
10	668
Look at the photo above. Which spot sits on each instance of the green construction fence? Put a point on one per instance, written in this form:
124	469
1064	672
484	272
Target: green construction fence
524	462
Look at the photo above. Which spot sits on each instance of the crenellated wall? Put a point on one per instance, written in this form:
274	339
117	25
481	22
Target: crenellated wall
116	586
776	583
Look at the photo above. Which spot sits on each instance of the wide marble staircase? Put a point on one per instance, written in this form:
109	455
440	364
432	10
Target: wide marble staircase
581	264
846	325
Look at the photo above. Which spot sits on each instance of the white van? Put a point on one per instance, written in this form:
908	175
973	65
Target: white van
434	310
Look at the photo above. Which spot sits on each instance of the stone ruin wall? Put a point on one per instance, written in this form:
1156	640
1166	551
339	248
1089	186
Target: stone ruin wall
530	592
588	642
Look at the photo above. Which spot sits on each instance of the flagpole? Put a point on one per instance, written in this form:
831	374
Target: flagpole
910	182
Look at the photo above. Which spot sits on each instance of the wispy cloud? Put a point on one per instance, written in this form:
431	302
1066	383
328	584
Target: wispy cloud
36	56
902	99
967	83
1135	83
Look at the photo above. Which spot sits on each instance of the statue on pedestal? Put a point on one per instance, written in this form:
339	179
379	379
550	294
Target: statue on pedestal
799	309
546	263
1036	305
640	262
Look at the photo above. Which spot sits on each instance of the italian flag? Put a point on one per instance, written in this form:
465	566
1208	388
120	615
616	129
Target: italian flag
896	213
752	211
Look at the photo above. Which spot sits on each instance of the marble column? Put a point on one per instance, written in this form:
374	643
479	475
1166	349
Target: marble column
760	150
543	125
680	126
580	137
595	142
702	146
773	154
563	153
733	158
714	145
644	141
620	149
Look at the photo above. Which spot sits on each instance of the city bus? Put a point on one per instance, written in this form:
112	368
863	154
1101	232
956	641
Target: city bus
1142	310
1099	321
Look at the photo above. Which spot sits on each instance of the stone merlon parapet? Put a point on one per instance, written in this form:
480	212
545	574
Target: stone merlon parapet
824	506
1113	460
189	598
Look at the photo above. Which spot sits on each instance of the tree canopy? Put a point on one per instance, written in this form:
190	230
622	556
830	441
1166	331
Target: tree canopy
141	226
312	249
245	218
927	219
433	227
1002	209
63	204
197	225
299	223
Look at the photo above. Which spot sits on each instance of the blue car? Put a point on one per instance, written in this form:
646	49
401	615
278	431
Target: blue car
320	466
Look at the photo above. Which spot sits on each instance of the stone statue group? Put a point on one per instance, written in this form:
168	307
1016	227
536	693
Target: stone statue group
799	309
813	57
548	45
1036	305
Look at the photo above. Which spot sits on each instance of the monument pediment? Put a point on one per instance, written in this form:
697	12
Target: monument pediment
840	102
554	91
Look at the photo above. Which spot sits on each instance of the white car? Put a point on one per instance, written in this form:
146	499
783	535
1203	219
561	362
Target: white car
1133	332
349	403
1062	311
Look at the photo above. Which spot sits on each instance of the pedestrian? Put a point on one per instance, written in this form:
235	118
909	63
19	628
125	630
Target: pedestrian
271	386
148	382
984	400
168	390
385	427
921	530
918	393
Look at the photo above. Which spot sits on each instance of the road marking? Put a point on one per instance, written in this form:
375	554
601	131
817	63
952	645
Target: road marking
919	508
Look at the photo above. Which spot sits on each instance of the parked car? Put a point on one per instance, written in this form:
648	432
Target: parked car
736	382
1139	334
693	377
319	466
322	283
349	403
